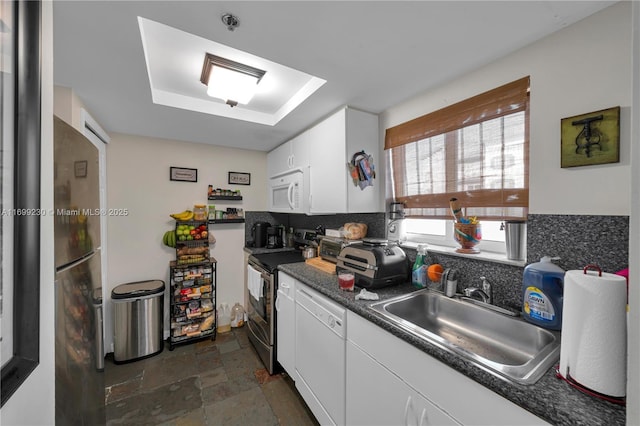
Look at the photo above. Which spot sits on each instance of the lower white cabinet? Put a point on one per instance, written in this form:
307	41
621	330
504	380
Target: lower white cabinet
451	393
375	378
285	323
376	396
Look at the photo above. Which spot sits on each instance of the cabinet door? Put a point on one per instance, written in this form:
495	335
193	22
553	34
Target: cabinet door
375	396
279	159
427	375
285	306
328	165
300	150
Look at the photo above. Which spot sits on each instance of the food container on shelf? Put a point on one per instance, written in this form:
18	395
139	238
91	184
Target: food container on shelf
199	212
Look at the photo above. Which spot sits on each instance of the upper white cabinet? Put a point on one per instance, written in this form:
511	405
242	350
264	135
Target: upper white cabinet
290	155
327	148
334	142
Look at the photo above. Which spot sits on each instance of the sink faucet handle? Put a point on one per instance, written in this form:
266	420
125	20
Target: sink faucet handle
487	288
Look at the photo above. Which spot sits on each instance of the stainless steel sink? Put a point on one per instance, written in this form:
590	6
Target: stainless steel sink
504	345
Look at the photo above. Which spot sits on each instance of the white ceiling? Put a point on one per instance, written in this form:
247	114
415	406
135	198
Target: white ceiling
373	54
175	60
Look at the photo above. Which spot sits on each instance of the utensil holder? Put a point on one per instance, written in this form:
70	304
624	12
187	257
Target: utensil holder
468	236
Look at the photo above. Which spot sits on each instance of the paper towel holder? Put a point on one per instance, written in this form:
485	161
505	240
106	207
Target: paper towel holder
613	399
592	266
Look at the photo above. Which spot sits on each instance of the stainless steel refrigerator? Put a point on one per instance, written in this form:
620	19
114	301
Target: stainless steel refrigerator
79	375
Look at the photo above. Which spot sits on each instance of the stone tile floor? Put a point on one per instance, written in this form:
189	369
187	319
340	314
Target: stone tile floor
219	382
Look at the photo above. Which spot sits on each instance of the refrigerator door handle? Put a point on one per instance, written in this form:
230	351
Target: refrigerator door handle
99	338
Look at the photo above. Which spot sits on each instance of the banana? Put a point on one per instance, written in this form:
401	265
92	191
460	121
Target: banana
183	216
169	239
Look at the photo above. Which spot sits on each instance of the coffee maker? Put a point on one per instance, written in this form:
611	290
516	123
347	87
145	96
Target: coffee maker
259	233
275	236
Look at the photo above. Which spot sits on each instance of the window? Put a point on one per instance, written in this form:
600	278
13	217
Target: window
476	150
23	285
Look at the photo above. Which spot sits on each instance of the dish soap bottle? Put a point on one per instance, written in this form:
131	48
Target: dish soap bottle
542	294
419	270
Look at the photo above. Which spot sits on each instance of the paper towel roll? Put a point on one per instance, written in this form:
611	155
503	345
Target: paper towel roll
593	347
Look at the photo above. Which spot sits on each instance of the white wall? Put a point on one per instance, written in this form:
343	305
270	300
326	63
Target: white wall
68	106
33	403
138	180
582	68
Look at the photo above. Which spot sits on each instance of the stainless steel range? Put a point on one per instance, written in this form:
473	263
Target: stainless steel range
262	282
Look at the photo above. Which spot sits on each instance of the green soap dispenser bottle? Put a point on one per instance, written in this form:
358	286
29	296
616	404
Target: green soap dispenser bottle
419	270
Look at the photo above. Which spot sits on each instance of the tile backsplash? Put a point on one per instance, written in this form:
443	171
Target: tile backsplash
577	240
375	221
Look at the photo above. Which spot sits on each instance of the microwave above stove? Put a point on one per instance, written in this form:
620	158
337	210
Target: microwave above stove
287	191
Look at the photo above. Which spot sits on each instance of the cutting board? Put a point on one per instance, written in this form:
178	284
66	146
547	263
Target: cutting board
321	264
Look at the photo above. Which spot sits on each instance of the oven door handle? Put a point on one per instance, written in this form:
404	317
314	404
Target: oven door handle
264	274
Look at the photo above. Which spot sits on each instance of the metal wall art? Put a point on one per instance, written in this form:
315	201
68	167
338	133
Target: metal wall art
361	169
590	139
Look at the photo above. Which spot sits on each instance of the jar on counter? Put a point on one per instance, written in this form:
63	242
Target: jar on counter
199	212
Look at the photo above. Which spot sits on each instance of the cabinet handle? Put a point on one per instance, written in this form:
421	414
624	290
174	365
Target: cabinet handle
406	411
424	417
278	302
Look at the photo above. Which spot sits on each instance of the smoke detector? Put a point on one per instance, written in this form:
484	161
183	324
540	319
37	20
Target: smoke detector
232	22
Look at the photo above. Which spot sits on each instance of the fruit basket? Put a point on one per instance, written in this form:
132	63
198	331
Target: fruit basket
192	242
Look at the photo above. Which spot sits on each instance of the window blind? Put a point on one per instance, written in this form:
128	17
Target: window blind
476	150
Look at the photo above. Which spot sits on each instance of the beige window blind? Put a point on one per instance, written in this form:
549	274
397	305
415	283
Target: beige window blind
476	150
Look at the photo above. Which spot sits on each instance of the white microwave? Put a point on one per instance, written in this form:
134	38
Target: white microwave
287	192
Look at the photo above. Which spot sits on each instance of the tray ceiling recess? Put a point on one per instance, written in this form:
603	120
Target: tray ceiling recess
175	60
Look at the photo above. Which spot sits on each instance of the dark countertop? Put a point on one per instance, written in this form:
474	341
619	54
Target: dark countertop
551	399
262	250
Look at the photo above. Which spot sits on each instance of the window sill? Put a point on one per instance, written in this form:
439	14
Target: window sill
485	256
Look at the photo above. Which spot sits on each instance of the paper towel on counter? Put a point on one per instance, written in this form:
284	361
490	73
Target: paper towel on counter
594	331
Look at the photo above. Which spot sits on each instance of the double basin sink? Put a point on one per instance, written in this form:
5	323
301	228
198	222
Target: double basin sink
504	345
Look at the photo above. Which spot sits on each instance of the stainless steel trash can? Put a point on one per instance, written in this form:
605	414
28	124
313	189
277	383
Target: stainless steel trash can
138	316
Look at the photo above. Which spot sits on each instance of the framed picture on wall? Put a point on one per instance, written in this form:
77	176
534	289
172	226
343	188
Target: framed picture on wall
590	139
239	178
182	174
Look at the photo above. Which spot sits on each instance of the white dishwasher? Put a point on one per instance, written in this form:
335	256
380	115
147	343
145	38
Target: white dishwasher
321	355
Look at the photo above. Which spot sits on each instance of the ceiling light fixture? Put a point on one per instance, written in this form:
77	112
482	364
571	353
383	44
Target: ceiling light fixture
231	81
232	22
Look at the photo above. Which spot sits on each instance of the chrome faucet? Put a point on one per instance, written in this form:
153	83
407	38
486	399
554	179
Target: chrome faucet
488	289
485	293
475	291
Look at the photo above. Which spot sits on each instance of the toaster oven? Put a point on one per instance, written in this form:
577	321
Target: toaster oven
330	248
